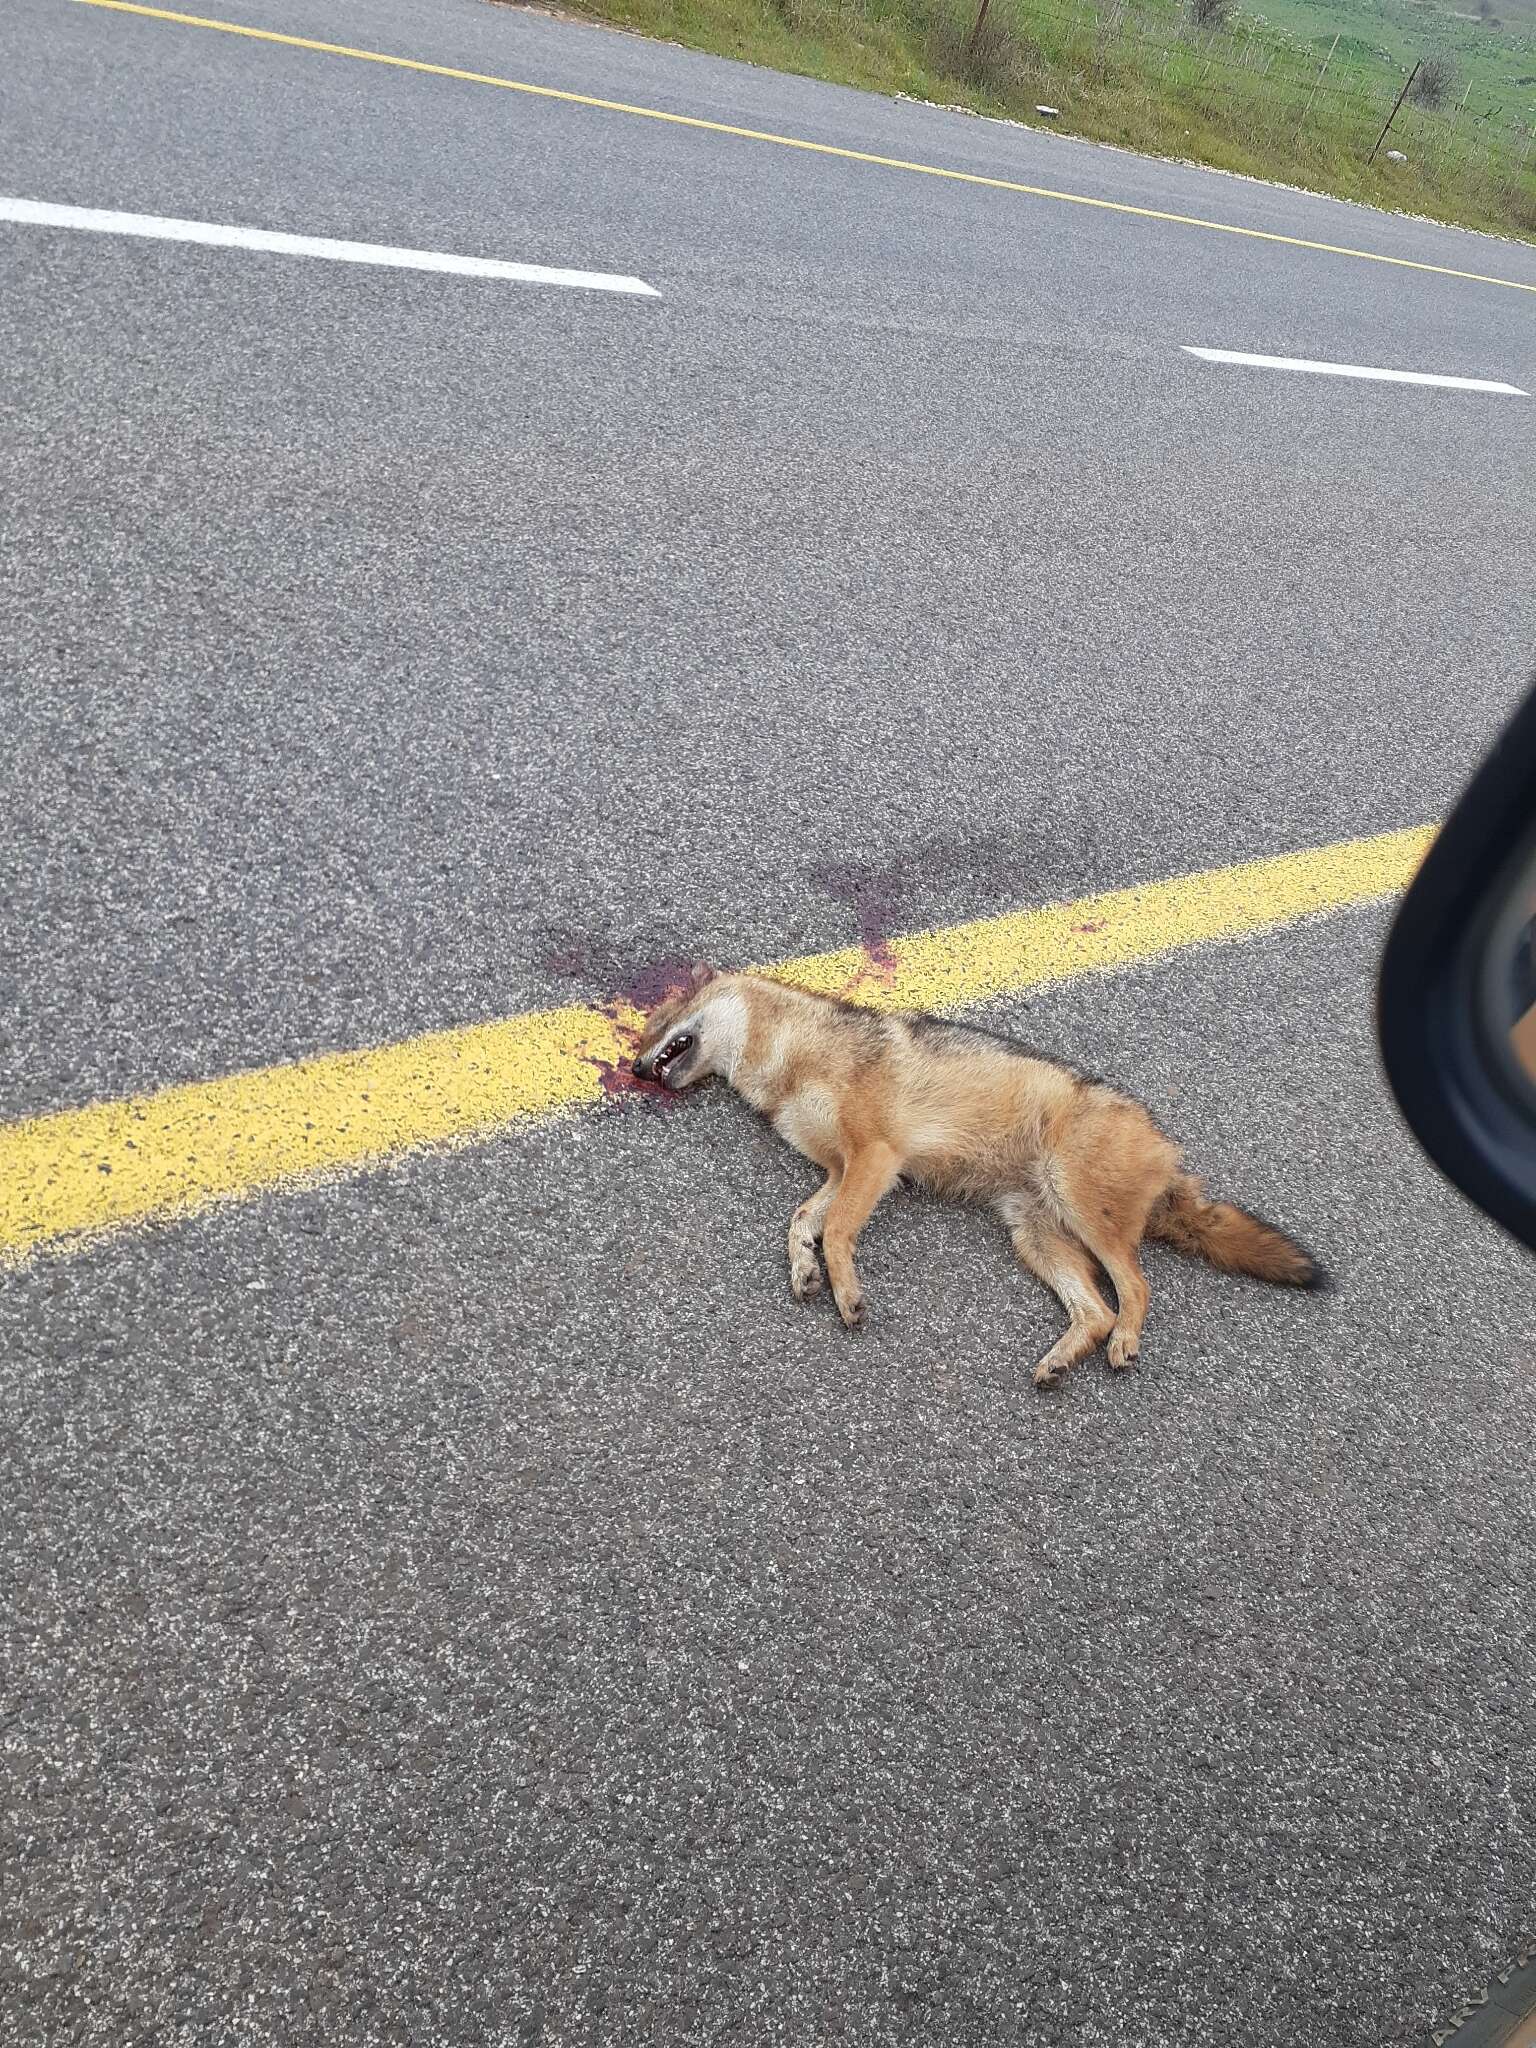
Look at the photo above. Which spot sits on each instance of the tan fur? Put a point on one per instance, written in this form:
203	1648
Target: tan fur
1079	1173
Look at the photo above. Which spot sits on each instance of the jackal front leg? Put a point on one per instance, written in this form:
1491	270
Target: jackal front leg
805	1234
867	1176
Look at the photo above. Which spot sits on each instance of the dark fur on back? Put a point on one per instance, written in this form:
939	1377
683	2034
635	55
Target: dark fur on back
938	1030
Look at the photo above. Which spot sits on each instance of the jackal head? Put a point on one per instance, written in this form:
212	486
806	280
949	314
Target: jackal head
683	1038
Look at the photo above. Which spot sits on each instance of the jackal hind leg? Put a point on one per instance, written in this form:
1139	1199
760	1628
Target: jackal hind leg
1065	1267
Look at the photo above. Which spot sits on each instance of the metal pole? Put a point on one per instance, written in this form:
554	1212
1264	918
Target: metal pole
1381	138
1450	127
1312	95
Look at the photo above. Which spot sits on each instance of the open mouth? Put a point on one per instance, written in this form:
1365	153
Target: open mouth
670	1054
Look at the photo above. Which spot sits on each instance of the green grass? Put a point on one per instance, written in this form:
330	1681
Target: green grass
1137	72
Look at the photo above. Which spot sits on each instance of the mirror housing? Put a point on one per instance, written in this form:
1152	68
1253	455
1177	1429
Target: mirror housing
1446	1042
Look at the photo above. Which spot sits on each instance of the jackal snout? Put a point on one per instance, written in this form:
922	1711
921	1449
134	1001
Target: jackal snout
671	1050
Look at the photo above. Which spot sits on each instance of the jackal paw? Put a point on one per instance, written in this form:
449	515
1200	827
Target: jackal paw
1122	1350
805	1278
851	1309
1048	1374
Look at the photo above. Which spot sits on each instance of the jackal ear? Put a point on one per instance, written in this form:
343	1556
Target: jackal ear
699	976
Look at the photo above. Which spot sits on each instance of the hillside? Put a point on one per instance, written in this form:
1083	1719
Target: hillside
1296	90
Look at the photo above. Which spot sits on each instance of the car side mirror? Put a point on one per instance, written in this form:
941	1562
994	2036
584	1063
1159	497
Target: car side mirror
1456	1001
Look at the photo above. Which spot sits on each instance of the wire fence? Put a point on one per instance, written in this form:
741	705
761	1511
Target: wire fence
1147	72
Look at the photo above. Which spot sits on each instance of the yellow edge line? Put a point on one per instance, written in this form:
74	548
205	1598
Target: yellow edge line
67	1176
858	156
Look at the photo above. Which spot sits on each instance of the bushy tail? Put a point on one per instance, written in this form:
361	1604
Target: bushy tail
1229	1238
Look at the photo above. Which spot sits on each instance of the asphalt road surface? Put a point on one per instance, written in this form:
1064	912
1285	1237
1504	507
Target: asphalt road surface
467	1601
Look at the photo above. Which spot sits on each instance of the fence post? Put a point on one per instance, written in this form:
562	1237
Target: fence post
1312	95
1381	138
981	15
1450	127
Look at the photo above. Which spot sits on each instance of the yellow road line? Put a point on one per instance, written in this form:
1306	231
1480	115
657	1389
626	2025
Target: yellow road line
66	1177
991	956
857	156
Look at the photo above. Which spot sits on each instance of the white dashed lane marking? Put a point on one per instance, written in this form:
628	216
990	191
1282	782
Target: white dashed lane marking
216	235
1311	369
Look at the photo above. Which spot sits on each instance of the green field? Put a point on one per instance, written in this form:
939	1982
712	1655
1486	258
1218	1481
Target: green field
1244	94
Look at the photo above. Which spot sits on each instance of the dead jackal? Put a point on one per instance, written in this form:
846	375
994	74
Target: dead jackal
1078	1172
